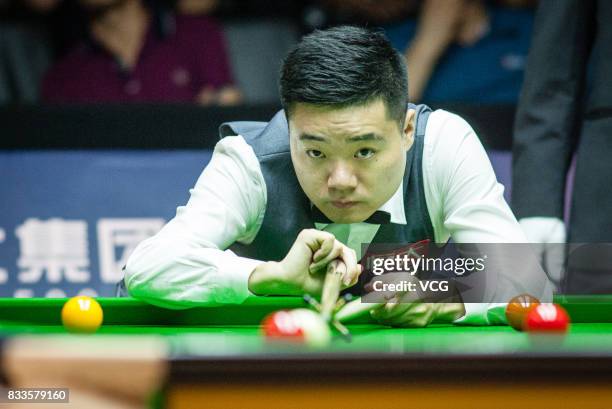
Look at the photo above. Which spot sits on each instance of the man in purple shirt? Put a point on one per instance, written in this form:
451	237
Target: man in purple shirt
138	54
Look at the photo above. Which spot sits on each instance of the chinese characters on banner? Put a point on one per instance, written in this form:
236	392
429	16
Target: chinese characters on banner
70	219
57	251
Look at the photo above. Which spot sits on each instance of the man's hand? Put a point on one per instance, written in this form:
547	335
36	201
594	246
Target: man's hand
226	96
405	313
303	269
409	308
548	236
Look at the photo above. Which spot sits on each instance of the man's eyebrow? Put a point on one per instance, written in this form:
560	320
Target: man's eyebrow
366	137
308	137
356	138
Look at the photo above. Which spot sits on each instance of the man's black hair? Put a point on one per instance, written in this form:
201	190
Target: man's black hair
345	66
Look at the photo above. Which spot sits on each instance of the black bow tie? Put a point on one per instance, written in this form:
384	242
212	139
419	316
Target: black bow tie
378	217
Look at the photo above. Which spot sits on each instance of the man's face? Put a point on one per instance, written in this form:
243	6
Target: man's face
349	161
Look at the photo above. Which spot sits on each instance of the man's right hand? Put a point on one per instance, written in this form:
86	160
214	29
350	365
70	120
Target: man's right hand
302	271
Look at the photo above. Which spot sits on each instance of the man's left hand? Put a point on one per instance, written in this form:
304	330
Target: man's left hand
398	313
401	311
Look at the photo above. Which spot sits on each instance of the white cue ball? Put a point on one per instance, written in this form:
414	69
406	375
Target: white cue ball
316	331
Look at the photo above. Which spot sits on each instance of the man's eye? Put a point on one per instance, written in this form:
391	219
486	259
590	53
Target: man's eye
313	153
364	153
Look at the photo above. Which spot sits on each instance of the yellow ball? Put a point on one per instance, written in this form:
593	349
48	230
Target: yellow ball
82	314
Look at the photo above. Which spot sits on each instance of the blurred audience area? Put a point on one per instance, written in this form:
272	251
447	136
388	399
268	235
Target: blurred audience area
456	50
214	52
207	52
57	56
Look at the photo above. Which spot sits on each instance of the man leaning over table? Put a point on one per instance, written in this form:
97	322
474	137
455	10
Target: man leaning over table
348	161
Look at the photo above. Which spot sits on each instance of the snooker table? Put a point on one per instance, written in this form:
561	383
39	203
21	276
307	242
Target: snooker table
214	357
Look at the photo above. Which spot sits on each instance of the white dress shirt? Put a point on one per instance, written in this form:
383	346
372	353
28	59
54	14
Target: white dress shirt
186	263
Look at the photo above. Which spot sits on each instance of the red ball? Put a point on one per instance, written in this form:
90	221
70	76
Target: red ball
518	308
281	325
547	318
301	326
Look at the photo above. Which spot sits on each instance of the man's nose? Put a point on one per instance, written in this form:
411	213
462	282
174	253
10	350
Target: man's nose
342	177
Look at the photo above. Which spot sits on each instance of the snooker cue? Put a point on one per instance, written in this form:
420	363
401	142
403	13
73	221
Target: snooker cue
334	322
331	288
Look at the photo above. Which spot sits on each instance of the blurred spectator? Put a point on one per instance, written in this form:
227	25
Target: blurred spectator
456	50
25	49
466	50
137	52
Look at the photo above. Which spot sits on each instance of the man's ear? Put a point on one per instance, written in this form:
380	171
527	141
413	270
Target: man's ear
408	131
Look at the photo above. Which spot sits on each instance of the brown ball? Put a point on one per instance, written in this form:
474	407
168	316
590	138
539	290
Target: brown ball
518	308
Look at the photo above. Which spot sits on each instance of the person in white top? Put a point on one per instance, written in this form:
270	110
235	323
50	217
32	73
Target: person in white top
346	147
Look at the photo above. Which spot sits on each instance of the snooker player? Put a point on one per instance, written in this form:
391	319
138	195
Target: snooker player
348	161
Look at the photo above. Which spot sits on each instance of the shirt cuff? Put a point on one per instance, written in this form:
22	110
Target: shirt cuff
239	270
483	314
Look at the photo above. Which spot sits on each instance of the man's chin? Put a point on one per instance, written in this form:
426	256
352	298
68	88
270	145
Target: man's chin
347	217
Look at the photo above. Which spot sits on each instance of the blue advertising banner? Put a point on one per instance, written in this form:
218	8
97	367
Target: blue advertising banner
70	219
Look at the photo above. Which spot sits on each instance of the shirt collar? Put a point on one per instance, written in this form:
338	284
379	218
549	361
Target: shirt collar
395	206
